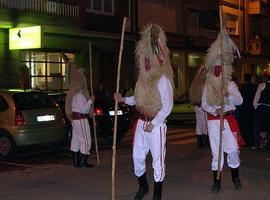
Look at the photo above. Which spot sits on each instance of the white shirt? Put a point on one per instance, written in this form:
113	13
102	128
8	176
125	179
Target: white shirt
80	104
235	99
166	96
258	95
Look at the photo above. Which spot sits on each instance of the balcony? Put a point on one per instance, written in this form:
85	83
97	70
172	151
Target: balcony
259	7
259	47
42	6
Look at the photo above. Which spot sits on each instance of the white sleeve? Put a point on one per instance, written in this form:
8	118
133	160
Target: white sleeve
205	106
81	104
130	101
258	94
235	97
166	96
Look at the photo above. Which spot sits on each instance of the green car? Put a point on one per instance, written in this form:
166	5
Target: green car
29	118
183	112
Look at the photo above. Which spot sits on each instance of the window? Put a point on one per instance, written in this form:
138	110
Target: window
232	24
47	70
194	18
194	62
262	70
105	7
203	19
209	20
32	100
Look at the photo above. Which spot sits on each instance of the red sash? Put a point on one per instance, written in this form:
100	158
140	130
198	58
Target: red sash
77	116
233	126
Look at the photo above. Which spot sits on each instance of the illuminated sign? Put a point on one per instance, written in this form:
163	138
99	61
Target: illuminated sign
25	38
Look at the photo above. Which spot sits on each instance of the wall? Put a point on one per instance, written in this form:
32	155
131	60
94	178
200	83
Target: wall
168	14
9	65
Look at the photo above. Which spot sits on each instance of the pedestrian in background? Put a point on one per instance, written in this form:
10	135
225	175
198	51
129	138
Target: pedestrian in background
127	90
195	96
153	97
77	108
246	110
201	126
262	112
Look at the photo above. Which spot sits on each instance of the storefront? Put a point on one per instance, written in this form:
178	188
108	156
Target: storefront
47	70
34	58
185	65
259	67
42	66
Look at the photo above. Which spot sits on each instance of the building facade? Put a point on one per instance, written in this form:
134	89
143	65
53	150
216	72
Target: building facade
192	25
88	31
85	30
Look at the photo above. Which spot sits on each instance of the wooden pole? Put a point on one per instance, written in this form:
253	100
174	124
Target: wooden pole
92	93
221	126
116	109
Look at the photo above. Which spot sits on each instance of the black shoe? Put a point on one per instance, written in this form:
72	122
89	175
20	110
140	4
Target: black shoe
141	193
254	148
84	162
157	190
216	187
235	178
143	187
200	141
76	159
217	183
237	184
206	141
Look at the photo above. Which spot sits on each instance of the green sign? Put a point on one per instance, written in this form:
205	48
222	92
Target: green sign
25	38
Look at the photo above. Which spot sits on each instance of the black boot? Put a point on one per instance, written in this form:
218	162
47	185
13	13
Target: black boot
235	178
84	162
217	183
143	187
205	140
199	141
76	159
157	191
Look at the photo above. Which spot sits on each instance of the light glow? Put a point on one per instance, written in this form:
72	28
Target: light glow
25	38
119	112
45	118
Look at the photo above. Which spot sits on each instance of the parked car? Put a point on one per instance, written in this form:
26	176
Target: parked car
104	116
183	112
29	118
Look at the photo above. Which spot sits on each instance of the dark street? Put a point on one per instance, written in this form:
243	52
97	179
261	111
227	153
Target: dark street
51	176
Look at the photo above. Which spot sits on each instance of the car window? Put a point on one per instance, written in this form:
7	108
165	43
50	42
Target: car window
105	99
3	104
32	100
59	98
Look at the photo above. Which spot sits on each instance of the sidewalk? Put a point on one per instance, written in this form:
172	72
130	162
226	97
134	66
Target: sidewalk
188	178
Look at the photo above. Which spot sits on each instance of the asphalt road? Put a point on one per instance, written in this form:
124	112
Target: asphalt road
51	176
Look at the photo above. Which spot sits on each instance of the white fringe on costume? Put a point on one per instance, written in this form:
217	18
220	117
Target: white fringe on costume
213	58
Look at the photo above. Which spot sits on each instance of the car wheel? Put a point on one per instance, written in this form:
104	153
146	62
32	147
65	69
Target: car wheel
7	146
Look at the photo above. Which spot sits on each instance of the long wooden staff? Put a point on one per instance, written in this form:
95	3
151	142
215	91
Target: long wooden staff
116	109
221	127
92	93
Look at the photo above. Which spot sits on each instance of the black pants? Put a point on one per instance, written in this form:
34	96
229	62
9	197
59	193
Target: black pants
261	123
246	117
